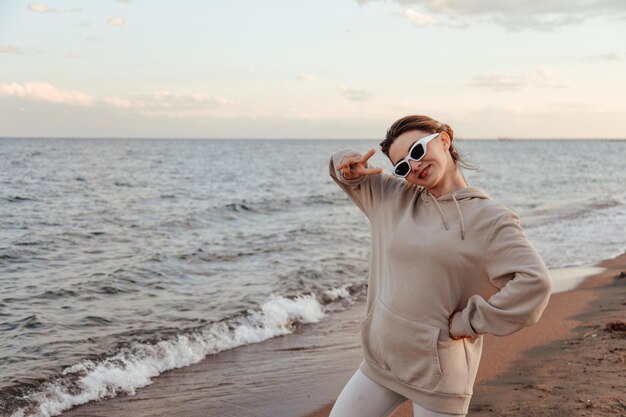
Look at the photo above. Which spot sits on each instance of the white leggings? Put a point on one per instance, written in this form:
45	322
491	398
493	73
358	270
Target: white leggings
362	397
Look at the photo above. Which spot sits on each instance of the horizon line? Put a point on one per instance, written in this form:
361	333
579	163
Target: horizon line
497	139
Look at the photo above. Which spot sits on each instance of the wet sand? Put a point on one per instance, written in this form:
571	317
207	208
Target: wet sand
571	363
557	364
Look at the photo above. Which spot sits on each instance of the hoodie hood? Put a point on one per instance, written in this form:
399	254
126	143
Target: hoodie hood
453	197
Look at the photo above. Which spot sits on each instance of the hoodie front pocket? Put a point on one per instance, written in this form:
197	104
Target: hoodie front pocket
406	348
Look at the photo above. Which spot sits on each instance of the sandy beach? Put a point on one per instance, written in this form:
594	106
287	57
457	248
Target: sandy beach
571	363
565	365
177	238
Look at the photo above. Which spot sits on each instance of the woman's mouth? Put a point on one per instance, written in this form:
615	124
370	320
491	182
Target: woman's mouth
424	172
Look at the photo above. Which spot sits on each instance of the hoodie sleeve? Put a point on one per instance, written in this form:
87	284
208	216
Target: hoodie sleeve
514	266
367	191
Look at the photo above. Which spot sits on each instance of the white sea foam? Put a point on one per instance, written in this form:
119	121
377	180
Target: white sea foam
338	293
135	366
565	279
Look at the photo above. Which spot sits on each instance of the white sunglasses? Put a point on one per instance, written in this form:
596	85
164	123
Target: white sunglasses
416	153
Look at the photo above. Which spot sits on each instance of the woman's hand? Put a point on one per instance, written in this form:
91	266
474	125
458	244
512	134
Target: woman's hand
354	166
450	330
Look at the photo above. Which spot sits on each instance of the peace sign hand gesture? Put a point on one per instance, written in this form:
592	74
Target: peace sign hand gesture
354	166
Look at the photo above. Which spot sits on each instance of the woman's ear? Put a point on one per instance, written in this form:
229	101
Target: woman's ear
445	140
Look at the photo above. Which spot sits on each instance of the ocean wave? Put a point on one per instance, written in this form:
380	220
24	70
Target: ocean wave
542	214
245	209
18	254
251	244
225	256
136	364
18	199
56	294
271	205
122	184
28	322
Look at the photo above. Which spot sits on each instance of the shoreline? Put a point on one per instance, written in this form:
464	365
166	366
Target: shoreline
301	374
518	369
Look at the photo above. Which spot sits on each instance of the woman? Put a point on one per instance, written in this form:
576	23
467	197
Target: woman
448	264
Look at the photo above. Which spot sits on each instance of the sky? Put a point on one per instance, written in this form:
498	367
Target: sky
533	69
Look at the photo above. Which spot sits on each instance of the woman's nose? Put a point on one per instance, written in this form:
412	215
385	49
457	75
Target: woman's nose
415	165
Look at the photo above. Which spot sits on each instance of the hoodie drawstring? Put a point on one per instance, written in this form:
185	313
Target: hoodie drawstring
460	215
443	215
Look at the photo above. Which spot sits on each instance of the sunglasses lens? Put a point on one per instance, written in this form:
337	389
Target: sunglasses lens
417	152
403	169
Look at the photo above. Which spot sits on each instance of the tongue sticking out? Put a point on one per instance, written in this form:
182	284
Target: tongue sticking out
424	173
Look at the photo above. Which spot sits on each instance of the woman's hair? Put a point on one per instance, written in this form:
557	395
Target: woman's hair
424	124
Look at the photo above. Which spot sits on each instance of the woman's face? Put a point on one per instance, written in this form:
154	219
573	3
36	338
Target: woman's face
433	167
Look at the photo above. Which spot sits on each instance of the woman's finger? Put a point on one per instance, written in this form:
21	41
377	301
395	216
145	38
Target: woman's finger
348	161
368	156
372	171
368	171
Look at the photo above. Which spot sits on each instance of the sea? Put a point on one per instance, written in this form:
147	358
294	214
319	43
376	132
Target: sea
121	259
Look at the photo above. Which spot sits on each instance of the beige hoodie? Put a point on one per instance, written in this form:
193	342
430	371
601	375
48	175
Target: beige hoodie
462	255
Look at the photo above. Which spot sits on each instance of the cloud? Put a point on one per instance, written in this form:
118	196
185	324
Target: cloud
45	92
513	14
614	56
116	21
165	99
166	104
355	95
424	20
8	49
541	77
419	19
161	103
500	82
306	78
119	102
42	8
